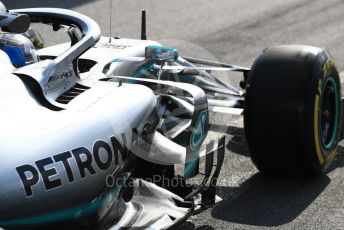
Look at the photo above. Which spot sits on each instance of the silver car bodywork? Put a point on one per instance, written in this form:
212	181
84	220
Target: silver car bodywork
65	132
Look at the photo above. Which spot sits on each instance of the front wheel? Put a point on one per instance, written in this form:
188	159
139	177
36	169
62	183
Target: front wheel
292	113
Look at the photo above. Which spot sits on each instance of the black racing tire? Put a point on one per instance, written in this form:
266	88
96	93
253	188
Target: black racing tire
292	113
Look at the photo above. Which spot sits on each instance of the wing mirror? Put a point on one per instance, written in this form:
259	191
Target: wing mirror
161	54
14	23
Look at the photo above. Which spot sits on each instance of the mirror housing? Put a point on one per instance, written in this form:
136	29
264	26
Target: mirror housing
14	23
161	54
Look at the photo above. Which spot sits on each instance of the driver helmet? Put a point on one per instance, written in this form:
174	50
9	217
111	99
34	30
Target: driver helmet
20	49
35	37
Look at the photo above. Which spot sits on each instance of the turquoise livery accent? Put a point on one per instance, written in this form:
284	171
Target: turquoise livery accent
328	142
198	133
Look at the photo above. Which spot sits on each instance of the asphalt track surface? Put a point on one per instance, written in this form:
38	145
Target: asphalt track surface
235	32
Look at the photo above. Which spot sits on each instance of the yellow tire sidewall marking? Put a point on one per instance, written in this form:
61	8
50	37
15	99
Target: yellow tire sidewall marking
316	130
327	66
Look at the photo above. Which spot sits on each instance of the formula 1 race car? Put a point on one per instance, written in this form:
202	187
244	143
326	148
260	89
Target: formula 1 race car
106	133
